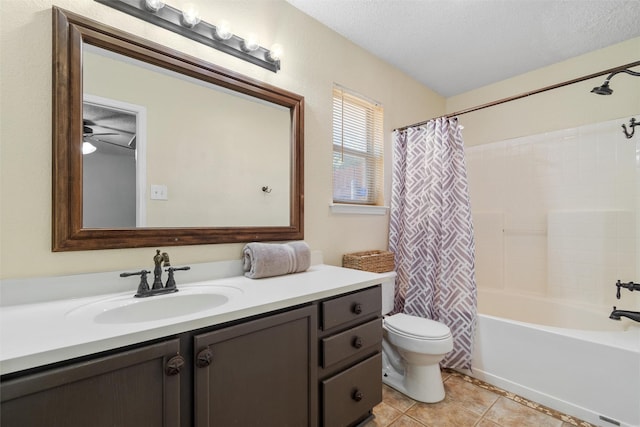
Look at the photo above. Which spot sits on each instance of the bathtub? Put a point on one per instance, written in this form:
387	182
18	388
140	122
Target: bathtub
569	358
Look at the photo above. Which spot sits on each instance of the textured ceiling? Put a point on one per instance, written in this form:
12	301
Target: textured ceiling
453	46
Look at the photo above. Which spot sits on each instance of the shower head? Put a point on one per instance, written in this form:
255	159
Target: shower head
605	89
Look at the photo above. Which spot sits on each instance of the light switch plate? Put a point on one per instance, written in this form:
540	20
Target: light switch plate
159	192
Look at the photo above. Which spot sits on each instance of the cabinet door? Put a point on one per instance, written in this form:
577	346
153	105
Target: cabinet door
134	388
259	373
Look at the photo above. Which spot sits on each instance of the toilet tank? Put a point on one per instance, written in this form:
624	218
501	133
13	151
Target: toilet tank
388	291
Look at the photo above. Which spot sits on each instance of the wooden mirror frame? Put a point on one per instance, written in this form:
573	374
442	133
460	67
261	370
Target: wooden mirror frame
70	32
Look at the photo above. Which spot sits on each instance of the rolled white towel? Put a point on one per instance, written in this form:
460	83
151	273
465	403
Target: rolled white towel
269	259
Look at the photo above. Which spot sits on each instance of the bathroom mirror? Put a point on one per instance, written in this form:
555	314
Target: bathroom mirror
226	167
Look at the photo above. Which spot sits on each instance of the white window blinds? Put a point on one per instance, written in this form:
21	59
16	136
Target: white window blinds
357	149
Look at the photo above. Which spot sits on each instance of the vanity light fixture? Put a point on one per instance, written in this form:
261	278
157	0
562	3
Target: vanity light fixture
275	53
153	5
250	43
223	31
187	23
190	15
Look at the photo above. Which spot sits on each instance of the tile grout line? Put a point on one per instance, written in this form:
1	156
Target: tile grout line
484	412
521	400
396	418
487	411
405	414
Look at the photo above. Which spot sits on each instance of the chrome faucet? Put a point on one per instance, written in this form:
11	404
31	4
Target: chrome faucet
617	314
160	260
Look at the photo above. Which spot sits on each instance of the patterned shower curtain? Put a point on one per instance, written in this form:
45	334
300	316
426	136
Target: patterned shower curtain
431	232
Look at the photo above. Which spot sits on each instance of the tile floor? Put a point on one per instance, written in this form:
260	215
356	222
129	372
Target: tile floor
468	403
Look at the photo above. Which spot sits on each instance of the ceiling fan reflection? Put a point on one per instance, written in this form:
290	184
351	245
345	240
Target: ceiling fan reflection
90	136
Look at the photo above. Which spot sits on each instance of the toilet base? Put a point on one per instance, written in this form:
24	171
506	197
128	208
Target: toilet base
429	388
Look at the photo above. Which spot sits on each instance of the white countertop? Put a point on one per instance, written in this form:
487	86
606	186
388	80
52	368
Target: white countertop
40	333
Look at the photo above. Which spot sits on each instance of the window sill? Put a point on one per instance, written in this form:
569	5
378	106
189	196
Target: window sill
345	208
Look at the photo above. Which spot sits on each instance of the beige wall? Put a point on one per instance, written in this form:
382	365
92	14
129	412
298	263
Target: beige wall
315	58
562	108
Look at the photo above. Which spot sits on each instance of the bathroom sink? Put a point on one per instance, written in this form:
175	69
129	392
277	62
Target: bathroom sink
128	309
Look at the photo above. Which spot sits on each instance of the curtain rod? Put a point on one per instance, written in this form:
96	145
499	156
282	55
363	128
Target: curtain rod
524	95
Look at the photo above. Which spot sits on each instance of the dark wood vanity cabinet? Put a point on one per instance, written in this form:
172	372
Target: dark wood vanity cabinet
310	365
137	387
350	372
291	369
258	373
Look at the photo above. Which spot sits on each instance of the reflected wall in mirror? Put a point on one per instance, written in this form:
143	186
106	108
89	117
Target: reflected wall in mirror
194	145
231	144
113	164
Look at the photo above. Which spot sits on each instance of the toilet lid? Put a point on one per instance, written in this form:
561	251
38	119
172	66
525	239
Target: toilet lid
417	327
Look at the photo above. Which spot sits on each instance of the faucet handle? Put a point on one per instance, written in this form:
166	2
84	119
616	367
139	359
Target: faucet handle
178	268
632	286
143	286
171	282
136	273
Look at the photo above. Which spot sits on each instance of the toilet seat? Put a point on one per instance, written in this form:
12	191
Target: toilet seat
416	327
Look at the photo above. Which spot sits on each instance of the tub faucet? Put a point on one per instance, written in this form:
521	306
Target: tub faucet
617	314
631	286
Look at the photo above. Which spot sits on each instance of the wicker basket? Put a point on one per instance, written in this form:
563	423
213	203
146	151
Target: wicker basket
374	261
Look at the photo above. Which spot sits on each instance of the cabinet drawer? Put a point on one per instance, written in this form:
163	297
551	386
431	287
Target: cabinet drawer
350	307
351	342
349	395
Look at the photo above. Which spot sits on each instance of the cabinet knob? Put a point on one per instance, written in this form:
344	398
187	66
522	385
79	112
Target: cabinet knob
174	365
357	308
357	395
204	357
357	342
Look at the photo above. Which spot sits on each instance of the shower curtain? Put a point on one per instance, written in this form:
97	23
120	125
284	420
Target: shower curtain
431	232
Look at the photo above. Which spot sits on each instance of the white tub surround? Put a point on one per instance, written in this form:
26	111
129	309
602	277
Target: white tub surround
39	327
557	214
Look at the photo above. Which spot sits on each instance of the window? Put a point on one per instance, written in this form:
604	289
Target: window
357	149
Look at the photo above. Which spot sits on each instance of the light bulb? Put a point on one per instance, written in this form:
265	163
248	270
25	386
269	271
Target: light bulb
153	5
223	31
250	43
88	148
190	15
275	53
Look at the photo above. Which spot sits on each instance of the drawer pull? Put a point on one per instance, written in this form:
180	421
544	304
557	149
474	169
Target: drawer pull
357	342
356	308
357	395
174	365
203	359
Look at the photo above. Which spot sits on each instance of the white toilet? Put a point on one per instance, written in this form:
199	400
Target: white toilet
412	349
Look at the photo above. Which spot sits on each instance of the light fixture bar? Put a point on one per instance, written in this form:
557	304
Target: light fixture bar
170	19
